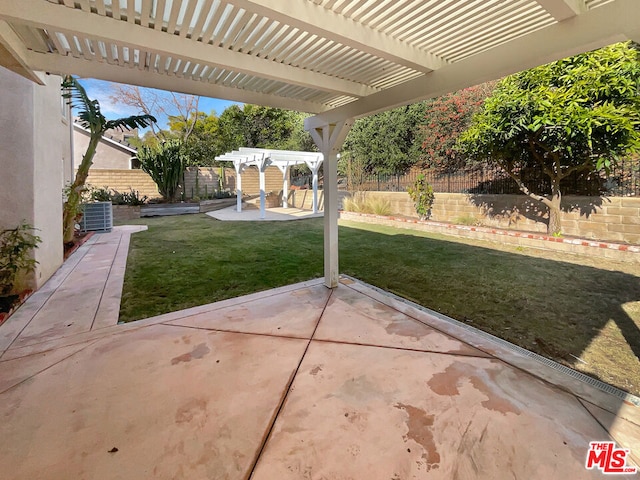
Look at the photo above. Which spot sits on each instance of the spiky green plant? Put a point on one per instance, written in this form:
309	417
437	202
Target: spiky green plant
165	163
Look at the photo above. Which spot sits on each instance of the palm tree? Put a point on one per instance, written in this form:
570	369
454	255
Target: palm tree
92	119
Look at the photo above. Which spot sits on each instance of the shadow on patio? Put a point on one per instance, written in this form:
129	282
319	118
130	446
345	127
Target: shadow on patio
567	311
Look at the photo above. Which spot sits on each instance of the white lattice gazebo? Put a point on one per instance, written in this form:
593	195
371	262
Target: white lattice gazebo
282	159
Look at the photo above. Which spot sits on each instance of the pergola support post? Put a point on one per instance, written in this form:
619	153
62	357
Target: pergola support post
329	139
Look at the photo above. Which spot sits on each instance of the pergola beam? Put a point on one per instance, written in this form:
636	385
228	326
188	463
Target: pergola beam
14	47
317	20
62	65
55	17
563	9
610	23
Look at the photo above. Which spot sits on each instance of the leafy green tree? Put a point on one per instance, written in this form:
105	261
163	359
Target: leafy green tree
262	127
446	118
298	138
203	143
388	142
267	127
231	128
91	118
148	138
579	114
165	164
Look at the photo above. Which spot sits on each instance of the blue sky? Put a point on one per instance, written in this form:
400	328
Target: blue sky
101	91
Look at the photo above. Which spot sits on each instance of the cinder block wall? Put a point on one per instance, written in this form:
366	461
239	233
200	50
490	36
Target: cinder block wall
123	180
250	180
304	199
207	180
602	218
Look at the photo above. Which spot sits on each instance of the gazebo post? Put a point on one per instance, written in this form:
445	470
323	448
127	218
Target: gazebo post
314	166
238	165
314	206
263	186
263	162
329	139
285	185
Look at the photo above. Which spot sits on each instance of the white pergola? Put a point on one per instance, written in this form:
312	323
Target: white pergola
337	59
262	158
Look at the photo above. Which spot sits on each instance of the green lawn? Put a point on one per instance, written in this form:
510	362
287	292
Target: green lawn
580	311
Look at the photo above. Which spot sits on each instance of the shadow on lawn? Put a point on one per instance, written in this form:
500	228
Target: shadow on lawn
570	313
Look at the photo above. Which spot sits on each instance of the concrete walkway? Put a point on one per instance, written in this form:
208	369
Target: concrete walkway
299	382
83	295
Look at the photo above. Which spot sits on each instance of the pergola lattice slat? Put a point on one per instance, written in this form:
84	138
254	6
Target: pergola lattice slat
342	51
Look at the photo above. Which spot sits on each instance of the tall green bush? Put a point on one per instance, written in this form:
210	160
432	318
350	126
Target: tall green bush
422	195
165	163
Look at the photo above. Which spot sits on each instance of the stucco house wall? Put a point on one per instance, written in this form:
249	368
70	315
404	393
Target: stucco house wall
35	146
109	155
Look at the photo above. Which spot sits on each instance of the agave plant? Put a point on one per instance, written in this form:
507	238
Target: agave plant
91	118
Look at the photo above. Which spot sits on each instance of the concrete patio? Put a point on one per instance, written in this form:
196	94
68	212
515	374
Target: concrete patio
250	213
291	383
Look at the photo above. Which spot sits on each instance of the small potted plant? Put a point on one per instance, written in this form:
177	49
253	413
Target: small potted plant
16	245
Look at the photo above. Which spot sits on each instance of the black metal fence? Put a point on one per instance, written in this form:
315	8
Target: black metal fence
623	181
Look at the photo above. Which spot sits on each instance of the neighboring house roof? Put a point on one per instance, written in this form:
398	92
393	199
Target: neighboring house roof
114	142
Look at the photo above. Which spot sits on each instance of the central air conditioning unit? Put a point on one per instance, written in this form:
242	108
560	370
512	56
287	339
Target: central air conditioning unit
97	217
